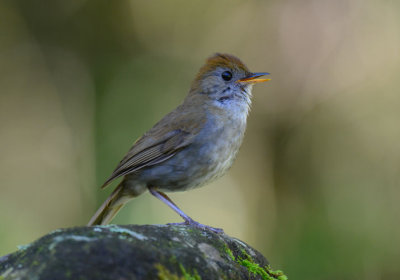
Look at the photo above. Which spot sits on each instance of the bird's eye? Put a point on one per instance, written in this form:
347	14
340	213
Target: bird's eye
227	75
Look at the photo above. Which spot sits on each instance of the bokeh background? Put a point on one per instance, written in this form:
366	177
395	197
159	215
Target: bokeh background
316	185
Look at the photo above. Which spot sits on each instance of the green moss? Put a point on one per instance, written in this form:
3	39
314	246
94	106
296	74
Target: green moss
265	272
230	253
165	274
278	274
187	276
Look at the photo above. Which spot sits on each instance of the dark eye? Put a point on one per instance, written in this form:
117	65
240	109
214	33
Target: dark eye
227	76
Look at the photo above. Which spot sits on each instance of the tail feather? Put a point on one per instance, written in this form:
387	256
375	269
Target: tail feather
110	207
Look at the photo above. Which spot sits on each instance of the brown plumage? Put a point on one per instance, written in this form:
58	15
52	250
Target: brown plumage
161	142
192	145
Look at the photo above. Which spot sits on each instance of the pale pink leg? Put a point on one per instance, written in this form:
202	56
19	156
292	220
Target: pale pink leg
188	221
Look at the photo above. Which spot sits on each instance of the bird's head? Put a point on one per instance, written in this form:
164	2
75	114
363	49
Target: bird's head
224	78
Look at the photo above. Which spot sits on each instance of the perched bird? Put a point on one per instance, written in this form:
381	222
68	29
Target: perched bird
192	145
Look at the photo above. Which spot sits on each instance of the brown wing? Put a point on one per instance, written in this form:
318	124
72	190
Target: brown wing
155	153
160	143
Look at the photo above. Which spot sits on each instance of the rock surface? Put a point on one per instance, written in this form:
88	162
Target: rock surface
136	252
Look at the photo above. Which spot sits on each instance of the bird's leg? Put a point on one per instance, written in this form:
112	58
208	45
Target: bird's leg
188	221
164	198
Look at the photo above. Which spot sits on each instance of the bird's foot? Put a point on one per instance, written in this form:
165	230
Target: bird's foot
195	224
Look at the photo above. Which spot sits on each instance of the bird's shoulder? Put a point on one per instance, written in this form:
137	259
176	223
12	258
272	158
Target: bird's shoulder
181	123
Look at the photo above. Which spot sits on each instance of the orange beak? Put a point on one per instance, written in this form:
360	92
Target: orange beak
253	78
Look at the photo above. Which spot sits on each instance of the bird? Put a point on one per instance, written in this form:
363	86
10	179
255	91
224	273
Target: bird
192	145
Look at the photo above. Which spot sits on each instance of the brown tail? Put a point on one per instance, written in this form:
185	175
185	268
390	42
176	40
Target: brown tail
110	207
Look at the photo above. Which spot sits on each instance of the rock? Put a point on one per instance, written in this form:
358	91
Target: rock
136	252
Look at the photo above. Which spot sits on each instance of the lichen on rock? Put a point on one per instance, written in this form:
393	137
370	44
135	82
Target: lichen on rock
136	252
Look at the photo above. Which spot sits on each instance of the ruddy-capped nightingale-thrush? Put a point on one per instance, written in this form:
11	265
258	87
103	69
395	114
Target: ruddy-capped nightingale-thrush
192	145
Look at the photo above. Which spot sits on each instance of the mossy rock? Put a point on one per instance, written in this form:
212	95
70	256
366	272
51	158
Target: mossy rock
136	252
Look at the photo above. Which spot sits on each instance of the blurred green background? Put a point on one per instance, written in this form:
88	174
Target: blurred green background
316	185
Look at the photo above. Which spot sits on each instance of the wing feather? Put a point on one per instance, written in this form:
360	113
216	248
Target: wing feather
153	154
174	132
